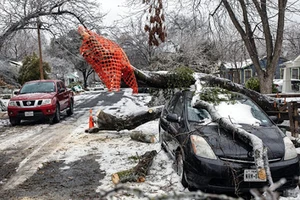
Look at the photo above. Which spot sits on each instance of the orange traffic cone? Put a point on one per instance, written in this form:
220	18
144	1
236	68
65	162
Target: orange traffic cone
91	122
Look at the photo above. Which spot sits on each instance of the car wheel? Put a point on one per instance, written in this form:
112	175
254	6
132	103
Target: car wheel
70	110
14	121
56	117
180	169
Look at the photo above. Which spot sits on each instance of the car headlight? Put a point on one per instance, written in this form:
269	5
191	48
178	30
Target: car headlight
290	150
46	101
12	103
201	147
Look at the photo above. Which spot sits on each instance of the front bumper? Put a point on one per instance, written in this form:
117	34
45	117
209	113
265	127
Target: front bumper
223	176
45	111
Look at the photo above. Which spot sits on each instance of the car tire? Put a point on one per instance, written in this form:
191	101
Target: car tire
14	121
56	117
161	138
70	110
181	170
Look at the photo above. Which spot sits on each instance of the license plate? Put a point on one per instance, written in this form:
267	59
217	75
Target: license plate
251	175
29	114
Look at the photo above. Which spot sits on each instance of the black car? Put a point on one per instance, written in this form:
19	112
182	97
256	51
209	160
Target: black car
212	159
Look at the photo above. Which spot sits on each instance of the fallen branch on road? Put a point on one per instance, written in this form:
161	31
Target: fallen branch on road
137	173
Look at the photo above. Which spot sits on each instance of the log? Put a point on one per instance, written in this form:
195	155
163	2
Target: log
142	137
264	101
137	173
156	80
107	121
162	80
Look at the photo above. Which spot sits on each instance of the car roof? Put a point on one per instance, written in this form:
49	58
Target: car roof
45	80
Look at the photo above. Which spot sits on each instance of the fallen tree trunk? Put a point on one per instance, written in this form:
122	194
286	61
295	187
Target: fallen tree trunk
264	101
156	80
137	173
143	137
107	121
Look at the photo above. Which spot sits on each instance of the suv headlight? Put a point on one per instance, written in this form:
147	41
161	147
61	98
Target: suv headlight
46	102
289	148
201	147
12	103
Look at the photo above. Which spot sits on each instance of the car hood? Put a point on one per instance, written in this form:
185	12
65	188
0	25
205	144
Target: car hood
33	96
228	145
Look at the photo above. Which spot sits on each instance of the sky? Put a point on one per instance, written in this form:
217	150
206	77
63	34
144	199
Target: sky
114	9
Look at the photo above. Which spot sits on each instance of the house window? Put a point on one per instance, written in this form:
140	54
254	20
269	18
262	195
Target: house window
235	76
247	74
281	73
295	73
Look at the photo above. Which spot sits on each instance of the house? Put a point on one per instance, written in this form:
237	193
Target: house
240	72
70	78
290	71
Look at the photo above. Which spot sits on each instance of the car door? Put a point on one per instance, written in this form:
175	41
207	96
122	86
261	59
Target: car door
61	92
65	93
173	129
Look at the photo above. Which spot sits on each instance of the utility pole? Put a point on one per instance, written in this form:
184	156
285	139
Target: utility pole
39	24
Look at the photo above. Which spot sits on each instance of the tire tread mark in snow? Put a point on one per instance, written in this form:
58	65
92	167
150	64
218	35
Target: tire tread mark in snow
47	144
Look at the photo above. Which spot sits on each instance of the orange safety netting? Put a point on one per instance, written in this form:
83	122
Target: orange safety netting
107	59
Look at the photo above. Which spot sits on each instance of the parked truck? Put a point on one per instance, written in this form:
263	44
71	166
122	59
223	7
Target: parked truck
40	99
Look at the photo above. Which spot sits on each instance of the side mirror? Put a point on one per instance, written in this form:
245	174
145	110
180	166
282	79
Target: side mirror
275	119
62	90
16	92
172	117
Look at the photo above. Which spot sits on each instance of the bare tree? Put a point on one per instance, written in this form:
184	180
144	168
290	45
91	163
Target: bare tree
55	16
67	47
25	43
133	41
257	21
291	44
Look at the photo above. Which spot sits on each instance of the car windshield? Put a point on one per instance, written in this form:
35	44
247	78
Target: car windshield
38	87
239	110
243	110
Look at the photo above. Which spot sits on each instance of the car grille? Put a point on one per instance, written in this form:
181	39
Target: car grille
246	161
28	104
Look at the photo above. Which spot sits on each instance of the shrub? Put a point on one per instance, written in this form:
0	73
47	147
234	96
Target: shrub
253	84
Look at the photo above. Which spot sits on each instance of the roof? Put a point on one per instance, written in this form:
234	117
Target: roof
239	65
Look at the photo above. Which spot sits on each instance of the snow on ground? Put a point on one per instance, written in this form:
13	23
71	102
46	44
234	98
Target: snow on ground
114	149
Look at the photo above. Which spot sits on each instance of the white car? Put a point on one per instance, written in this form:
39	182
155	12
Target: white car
294	82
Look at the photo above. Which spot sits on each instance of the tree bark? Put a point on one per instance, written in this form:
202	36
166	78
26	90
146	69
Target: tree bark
107	121
137	173
143	137
160	81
